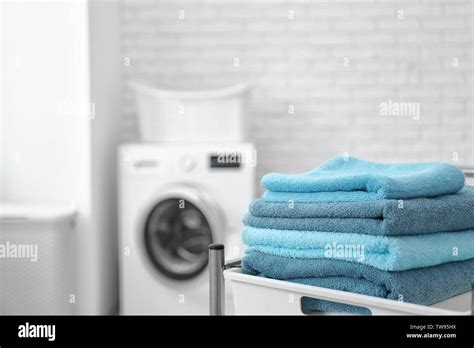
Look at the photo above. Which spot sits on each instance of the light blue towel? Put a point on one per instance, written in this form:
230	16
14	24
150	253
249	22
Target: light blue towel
386	253
382	217
344	179
424	286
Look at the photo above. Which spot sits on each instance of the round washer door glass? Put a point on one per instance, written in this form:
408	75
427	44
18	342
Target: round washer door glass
177	236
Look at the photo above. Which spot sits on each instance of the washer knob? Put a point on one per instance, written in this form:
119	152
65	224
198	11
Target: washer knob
188	163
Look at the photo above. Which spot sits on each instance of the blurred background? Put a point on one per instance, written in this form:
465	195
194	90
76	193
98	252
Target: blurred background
322	75
321	70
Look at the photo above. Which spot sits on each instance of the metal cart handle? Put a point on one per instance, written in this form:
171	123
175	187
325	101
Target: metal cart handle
216	279
217	265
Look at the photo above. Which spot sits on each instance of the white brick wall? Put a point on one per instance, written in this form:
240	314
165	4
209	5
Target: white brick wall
300	62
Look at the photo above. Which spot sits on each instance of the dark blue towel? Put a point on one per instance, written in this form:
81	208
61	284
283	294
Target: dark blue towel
424	286
383	217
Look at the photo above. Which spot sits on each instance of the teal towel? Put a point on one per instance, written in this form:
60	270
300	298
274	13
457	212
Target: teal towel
386	253
383	217
424	286
344	179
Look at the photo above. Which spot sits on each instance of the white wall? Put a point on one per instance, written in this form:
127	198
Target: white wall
105	75
296	50
44	84
60	81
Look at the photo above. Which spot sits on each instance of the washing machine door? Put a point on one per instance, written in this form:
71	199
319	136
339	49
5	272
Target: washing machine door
178	230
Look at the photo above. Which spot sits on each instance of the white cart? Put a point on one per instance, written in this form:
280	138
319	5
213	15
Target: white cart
263	296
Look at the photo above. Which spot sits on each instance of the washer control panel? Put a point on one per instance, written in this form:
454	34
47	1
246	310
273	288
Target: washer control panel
225	160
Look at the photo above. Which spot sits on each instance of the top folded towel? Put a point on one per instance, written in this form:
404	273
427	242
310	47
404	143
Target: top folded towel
351	179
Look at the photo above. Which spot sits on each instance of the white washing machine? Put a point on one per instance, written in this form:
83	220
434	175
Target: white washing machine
174	201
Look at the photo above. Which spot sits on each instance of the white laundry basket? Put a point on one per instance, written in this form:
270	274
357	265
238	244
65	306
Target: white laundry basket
36	261
263	296
166	115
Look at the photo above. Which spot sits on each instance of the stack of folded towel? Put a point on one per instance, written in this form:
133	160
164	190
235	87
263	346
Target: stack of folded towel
398	231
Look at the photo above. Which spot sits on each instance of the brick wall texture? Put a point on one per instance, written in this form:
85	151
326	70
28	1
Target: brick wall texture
322	70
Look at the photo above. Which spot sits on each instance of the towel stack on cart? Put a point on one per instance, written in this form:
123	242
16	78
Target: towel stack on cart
398	231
